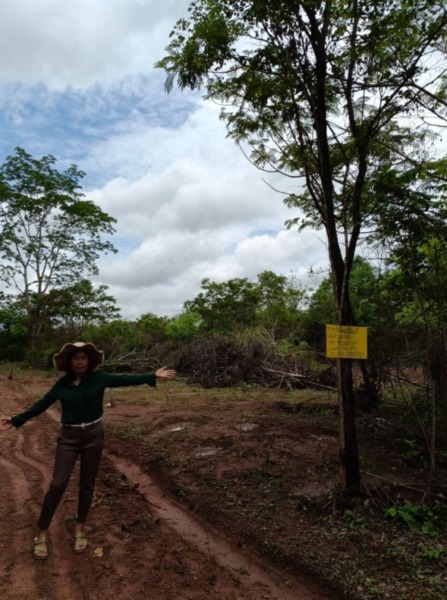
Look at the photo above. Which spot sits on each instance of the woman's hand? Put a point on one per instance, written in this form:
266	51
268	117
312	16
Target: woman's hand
165	373
5	423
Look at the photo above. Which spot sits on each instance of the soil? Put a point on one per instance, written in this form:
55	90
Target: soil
212	495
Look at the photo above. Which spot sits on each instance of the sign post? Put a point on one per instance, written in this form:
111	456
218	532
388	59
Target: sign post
344	341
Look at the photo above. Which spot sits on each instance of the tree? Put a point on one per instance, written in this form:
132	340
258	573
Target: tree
416	235
226	306
319	91
80	305
270	302
69	312
364	293
183	327
280	299
50	236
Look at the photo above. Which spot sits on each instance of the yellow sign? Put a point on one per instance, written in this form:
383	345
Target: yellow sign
346	342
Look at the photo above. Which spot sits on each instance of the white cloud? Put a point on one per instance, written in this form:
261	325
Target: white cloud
162	259
288	251
78	43
163	273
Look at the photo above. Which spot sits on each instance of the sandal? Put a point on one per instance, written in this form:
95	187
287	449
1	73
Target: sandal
81	542
40	549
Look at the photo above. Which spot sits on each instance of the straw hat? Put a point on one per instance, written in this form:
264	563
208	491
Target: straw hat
61	359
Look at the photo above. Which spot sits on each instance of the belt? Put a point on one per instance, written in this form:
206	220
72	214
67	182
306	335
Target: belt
82	425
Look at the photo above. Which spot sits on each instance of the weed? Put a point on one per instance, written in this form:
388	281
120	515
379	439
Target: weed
375	591
355	521
433	553
145	521
129	431
397	553
420	518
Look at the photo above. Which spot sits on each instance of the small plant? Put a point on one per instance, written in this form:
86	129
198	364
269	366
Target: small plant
354	521
433	553
130	431
420	518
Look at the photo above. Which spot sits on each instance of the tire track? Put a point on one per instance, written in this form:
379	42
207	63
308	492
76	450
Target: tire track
29	446
15	550
259	578
24	477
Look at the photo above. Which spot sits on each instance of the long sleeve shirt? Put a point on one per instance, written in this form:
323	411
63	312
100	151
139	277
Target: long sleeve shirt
81	403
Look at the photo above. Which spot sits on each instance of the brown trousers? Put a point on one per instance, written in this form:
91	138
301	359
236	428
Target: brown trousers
74	443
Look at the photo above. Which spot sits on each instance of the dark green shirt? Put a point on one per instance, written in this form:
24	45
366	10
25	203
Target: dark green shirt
81	403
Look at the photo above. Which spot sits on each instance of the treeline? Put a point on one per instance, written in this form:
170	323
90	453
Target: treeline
270	331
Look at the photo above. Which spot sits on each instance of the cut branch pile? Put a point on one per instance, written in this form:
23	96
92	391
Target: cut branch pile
218	361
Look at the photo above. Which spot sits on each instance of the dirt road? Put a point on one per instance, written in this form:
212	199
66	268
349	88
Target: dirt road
142	543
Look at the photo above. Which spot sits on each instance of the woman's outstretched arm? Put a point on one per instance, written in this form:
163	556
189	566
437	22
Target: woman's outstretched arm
165	373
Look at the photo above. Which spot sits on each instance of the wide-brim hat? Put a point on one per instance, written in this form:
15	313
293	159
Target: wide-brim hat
61	359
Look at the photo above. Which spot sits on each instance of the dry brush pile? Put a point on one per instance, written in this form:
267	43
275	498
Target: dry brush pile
221	361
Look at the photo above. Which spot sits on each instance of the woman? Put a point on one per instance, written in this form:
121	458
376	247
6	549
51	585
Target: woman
80	392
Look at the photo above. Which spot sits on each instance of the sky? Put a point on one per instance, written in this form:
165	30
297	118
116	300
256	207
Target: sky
77	80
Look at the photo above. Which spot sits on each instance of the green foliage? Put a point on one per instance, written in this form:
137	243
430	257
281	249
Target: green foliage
318	91
271	302
433	553
354	520
365	296
420	518
116	338
80	305
184	327
134	345
222	306
151	325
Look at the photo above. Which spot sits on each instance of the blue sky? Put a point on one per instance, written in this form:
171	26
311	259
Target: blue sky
77	81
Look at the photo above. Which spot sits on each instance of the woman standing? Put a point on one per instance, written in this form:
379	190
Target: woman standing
80	392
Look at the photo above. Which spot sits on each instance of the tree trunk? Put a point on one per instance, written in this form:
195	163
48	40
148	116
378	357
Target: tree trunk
349	476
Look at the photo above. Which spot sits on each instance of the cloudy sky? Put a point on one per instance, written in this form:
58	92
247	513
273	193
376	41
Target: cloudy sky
77	81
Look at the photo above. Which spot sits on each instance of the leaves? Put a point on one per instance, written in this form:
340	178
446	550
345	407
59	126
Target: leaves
271	302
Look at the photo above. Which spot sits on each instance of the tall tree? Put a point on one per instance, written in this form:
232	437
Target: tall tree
270	302
416	234
319	90
280	298
51	237
80	305
226	306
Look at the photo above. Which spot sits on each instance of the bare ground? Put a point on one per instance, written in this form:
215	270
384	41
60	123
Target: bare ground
216	495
